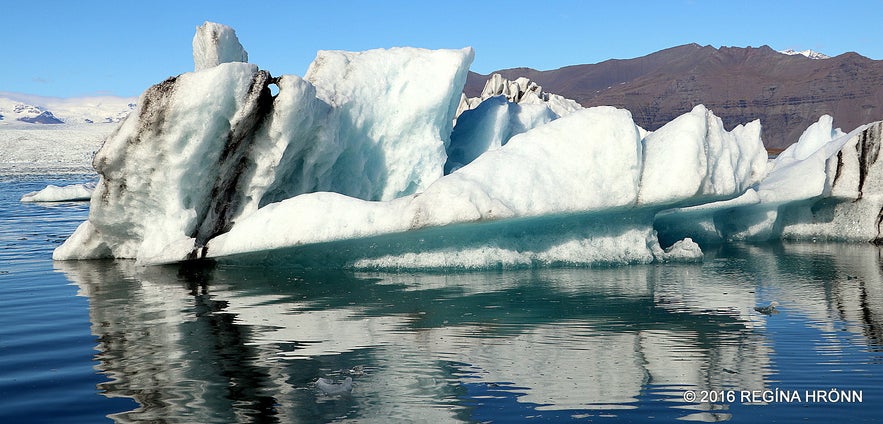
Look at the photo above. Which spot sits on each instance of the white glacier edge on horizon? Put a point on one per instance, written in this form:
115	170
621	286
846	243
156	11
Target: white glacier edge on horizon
370	171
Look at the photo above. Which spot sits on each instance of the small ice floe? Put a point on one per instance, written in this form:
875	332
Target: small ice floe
329	387
769	309
53	193
358	370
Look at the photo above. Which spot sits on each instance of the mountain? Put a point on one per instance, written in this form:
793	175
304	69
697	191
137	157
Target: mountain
26	108
45	117
786	92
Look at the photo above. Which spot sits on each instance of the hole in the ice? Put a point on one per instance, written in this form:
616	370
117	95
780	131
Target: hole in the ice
274	89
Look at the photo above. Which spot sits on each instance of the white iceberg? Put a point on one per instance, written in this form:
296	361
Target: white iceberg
827	186
204	149
53	193
359	164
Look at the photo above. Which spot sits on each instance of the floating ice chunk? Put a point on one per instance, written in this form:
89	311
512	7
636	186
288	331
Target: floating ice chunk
211	164
205	149
215	44
768	309
329	387
52	193
685	250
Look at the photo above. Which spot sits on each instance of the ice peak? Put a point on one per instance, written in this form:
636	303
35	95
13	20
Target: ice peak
215	44
812	54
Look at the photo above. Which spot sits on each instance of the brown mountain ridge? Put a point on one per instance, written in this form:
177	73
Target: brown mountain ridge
786	92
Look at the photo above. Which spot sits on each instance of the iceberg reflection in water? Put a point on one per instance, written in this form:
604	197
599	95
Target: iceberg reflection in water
230	344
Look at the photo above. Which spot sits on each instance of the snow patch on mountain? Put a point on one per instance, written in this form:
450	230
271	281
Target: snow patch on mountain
18	107
812	54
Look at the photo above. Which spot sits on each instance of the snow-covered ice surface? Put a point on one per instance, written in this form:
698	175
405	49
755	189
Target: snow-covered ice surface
64	147
50	149
52	193
359	164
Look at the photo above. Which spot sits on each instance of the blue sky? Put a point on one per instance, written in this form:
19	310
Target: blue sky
75	48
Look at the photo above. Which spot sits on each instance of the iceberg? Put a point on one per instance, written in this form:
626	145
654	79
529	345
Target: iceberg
825	187
372	161
207	148
53	193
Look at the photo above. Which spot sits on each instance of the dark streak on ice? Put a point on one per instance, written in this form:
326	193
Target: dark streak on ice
839	168
879	239
234	162
868	148
154	107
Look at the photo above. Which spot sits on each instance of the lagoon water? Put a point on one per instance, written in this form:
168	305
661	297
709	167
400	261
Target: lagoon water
108	341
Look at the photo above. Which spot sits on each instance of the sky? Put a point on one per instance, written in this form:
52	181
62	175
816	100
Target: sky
63	48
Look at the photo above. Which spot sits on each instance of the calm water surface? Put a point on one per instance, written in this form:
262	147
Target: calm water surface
109	341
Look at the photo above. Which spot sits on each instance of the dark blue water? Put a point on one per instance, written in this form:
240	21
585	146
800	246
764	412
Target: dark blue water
109	341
